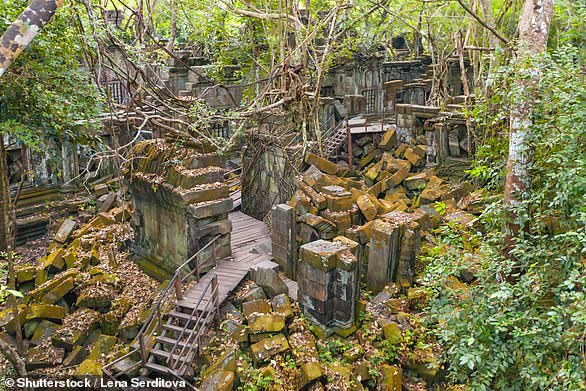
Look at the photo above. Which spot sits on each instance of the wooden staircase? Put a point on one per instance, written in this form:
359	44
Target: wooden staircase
334	136
183	318
177	327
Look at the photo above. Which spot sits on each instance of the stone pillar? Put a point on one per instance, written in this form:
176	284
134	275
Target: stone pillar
383	254
284	246
405	122
394	243
328	285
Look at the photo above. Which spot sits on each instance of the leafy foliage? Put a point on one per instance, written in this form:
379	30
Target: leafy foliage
525	333
45	94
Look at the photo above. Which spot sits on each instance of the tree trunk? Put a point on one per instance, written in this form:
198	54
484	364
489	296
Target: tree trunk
13	357
533	31
24	29
173	32
9	230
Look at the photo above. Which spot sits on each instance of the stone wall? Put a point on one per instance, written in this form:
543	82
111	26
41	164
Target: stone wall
180	203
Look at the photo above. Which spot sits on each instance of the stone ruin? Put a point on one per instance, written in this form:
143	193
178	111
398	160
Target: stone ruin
180	203
376	213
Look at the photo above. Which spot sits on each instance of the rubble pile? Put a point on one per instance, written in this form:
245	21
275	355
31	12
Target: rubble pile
85	300
385	205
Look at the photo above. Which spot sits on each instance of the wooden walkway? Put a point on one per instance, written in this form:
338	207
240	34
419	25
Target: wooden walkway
247	233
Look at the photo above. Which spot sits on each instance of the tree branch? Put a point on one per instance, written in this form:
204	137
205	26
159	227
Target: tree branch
482	22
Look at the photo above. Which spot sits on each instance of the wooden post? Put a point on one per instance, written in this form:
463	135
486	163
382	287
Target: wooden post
349	135
197	268
159	320
215	297
214	251
143	353
178	287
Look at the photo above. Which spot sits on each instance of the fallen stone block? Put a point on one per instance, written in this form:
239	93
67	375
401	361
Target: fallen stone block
267	348
282	306
340	202
44	357
433	191
64	231
53	289
107	203
367	207
100	189
220	380
76	328
96	296
25	273
226	362
399	176
54	261
265	323
414	158
317	199
102	347
256	293
88	368
268	264
392	332
261	306
270	281
316	179
321	163
44	330
416	182
76	356
389	140
308	373
325	228
392	378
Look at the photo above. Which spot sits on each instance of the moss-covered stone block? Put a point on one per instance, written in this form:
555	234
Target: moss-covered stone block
308	373
25	273
76	328
265	323
102	346
43	357
76	356
218	381
391	378
269	347
88	368
261	306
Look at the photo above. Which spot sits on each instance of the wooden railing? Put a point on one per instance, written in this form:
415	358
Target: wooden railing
154	324
331	141
202	318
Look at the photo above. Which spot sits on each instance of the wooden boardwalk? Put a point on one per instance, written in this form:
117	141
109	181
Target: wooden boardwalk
247	233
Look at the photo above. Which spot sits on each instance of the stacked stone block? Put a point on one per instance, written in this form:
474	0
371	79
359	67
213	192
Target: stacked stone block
328	285
394	243
284	247
180	203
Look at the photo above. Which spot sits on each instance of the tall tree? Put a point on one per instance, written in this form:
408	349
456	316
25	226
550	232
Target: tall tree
14	40
24	29
533	31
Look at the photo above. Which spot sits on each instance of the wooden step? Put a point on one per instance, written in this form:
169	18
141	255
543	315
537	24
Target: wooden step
156	368
182	315
176	357
171	341
176	329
